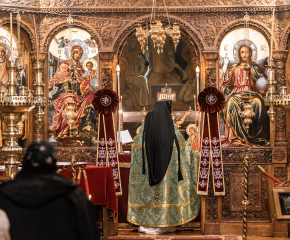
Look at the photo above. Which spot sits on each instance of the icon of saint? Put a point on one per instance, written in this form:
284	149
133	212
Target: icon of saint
70	86
240	84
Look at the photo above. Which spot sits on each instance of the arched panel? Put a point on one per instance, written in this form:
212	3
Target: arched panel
241	84
144	76
73	74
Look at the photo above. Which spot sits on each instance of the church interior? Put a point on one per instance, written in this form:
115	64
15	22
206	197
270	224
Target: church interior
84	75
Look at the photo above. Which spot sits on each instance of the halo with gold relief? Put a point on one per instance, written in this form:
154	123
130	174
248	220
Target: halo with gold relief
189	127
93	61
235	39
5	44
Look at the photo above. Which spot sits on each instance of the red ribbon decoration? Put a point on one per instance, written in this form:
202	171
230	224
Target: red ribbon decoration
211	101
105	102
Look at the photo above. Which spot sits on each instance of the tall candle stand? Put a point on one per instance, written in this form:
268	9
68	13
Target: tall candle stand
39	91
12	107
247	115
119	111
245	201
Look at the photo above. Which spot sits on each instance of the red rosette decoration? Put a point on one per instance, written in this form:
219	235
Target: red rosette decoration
211	100
106	101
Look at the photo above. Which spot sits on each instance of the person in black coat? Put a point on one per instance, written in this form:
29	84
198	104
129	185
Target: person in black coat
43	205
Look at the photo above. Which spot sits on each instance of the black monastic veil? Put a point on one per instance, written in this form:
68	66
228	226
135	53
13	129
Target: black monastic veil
159	137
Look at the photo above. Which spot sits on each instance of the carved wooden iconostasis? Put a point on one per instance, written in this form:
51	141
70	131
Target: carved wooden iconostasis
211	38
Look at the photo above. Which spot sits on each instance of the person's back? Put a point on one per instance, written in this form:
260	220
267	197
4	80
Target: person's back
4	226
162	185
42	204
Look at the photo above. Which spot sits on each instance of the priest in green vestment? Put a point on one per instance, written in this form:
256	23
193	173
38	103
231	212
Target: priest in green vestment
162	187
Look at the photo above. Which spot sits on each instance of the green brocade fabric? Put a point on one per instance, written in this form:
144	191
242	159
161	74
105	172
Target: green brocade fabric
169	203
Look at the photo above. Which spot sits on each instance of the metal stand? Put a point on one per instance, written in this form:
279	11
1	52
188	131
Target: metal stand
245	202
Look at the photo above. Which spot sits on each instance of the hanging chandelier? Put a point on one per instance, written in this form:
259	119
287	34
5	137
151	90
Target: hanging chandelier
157	32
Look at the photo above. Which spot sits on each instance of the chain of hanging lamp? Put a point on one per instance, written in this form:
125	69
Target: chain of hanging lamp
157	32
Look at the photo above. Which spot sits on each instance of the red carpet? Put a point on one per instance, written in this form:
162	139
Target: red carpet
174	237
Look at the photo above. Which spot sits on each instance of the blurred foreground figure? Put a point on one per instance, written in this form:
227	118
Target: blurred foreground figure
162	187
4	226
43	205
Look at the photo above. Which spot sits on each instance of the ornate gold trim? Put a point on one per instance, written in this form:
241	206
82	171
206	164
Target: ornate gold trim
166	225
139	146
124	165
160	205
146	9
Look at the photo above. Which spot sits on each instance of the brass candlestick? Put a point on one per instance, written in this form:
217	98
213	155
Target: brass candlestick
246	156
245	202
271	93
11	150
12	107
39	92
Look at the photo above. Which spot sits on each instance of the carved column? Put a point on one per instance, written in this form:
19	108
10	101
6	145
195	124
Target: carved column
210	204
280	145
38	127
279	152
211	59
107	70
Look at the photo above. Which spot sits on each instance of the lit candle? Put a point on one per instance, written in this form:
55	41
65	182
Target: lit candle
11	38
36	40
194	110
197	80
121	121
120	109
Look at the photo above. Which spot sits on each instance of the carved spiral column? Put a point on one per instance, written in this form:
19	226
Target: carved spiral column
211	59
37	127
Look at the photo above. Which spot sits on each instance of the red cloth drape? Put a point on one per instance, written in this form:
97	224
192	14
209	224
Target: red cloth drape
101	185
123	200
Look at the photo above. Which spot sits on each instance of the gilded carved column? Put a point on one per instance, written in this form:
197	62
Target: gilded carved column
107	69
211	59
210	203
280	58
279	152
38	127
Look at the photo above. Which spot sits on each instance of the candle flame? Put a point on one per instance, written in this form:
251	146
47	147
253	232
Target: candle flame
118	68
197	69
